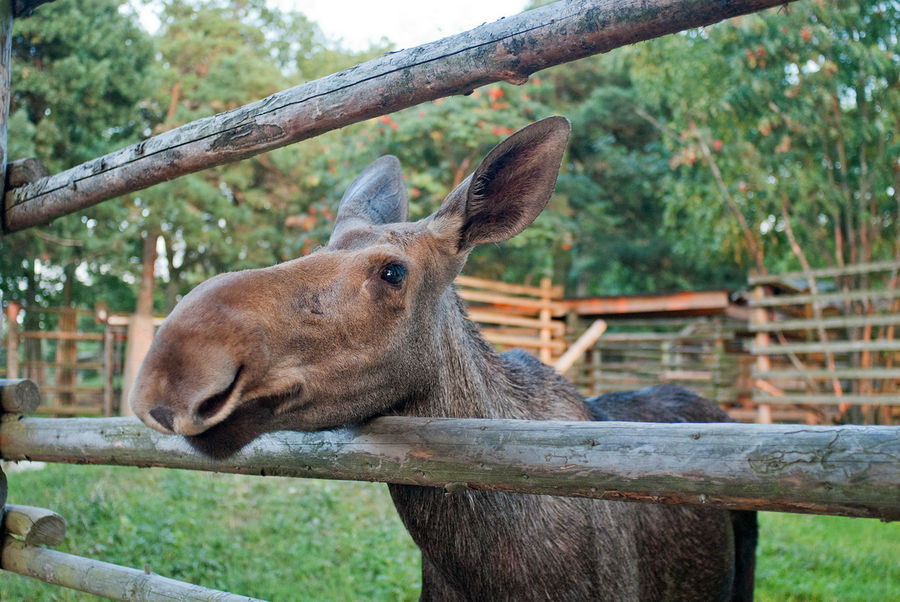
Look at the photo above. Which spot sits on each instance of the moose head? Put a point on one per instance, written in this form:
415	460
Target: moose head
351	331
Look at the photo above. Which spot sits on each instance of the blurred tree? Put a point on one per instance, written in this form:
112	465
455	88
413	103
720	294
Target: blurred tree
615	185
80	70
784	133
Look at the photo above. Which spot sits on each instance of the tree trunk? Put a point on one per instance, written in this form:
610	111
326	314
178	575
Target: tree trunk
140	328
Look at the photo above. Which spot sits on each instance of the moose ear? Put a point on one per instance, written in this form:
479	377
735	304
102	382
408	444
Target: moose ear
509	188
376	196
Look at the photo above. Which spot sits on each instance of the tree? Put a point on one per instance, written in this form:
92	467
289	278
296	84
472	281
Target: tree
784	132
79	72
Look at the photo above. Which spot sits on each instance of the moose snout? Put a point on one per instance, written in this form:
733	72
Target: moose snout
188	400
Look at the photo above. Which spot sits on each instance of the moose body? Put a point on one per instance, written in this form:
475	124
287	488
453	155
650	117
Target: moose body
371	325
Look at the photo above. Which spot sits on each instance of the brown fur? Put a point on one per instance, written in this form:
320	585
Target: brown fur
371	325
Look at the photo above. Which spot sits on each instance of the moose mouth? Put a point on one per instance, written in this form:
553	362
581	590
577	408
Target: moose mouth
251	419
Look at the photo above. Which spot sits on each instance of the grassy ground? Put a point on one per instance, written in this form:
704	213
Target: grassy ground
293	539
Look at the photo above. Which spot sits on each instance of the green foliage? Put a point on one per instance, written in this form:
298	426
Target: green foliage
80	72
797	110
789	112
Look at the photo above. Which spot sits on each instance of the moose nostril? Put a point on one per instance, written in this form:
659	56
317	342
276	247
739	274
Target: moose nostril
164	416
212	405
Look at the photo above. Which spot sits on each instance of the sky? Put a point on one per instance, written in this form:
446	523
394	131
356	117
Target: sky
358	24
407	23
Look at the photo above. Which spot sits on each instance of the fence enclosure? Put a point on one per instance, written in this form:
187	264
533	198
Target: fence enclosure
859	478
825	342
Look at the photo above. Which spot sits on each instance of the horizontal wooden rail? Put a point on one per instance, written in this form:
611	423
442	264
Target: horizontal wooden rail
514	340
844	296
19	395
36	526
558	308
830	398
63	365
491	317
505	287
61	335
826	374
832	346
74	410
834	322
71	389
506	50
102	578
847	270
846	470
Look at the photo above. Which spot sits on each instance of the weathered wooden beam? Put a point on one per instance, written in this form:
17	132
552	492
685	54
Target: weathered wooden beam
832	322
826	374
641	304
507	50
856	295
18	395
582	344
36	526
102	578
847	470
829	398
846	270
832	346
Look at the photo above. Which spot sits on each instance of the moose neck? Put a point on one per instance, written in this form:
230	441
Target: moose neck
472	380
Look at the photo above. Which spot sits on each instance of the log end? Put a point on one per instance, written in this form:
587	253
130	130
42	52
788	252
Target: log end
19	395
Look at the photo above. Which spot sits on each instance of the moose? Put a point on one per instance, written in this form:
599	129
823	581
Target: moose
371	325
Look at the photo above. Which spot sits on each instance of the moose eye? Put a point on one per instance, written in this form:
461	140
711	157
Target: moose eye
393	273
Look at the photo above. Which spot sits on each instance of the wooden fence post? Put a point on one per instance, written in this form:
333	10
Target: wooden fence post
546	352
66	358
108	368
760	316
12	340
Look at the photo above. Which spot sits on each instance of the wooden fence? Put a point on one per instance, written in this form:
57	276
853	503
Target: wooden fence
825	343
513	315
860	476
73	355
700	353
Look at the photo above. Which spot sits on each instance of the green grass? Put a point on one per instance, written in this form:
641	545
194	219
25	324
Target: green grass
272	538
296	539
804	557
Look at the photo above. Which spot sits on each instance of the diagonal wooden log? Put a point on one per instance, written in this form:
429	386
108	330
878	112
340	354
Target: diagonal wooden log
102	578
846	470
507	50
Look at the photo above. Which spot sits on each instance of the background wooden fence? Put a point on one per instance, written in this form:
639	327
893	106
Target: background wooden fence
513	315
703	354
825	343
